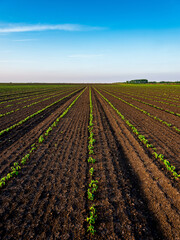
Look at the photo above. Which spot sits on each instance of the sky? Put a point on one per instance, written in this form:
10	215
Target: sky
89	41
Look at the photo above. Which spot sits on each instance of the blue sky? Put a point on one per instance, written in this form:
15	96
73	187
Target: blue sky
89	41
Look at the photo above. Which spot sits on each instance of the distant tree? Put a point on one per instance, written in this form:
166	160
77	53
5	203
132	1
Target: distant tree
138	81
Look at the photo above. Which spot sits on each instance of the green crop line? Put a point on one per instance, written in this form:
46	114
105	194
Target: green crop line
145	112
170	104
34	103
36	93
32	115
166	98
18	166
30	99
146	143
154	106
93	184
144	95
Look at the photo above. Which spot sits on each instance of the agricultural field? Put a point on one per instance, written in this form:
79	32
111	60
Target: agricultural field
90	162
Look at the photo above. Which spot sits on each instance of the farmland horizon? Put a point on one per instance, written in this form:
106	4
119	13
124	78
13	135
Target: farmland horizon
78	42
94	161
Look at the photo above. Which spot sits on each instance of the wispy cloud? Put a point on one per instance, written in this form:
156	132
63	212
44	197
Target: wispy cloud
85	55
38	27
24	40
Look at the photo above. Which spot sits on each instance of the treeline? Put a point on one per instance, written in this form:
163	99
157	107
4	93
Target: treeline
143	81
138	81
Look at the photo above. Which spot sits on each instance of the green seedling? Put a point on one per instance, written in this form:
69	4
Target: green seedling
15	169
91	152
90	147
93	185
41	139
9	175
90	195
91	171
91	141
91	220
91	229
155	154
91	160
149	145
2	182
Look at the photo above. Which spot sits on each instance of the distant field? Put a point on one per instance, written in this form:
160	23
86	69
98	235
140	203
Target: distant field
90	161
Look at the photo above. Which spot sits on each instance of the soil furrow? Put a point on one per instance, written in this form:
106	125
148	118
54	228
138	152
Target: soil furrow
160	207
130	218
8	120
162	137
16	151
11	137
48	199
165	116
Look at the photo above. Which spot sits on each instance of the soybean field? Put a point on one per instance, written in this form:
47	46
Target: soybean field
84	161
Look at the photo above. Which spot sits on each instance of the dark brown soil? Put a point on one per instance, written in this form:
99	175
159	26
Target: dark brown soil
7	139
165	116
151	97
8	120
164	138
48	199
16	95
20	103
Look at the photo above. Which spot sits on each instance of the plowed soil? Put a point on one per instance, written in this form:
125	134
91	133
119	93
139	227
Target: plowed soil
165	116
164	138
135	199
22	113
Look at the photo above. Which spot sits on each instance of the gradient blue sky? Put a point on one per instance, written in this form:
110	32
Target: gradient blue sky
89	41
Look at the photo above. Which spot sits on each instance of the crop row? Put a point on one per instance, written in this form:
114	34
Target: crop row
145	142
16	167
24	97
152	99
25	89
143	94
165	98
154	106
29	99
32	115
10	90
34	103
145	112
93	183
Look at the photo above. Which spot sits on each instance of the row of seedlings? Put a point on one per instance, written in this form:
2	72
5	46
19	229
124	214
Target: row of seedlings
5	100
34	103
28	98
152	99
93	182
34	114
145	112
145	142
18	166
152	105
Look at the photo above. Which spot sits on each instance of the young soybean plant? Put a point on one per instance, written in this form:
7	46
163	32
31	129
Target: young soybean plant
91	219
91	160
91	171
